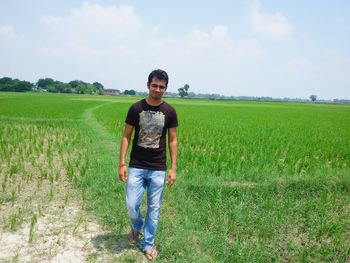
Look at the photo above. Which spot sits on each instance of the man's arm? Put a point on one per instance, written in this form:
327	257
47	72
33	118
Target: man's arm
123	150
173	156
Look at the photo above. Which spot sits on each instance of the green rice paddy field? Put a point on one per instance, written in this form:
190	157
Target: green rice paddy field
256	181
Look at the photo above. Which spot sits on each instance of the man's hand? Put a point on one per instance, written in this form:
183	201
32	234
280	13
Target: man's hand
123	173
171	177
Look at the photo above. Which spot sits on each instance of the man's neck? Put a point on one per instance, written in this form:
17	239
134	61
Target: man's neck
153	102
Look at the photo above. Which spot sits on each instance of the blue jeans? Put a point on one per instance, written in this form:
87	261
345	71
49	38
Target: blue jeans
138	180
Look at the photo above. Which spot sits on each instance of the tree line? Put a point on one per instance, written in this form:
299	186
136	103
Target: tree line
51	85
74	86
81	87
9	84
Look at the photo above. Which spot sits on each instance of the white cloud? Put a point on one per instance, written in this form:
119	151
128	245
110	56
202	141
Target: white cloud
325	76
274	26
219	45
301	65
110	41
94	25
113	45
208	60
7	32
113	19
93	33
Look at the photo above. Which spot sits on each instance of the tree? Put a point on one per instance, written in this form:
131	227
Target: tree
99	87
51	85
313	97
6	84
82	87
5	80
44	83
59	87
22	85
183	92
129	92
9	84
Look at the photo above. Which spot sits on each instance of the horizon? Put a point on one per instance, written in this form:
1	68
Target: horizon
251	48
194	96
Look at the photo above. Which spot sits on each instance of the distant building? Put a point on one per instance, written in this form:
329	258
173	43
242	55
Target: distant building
112	92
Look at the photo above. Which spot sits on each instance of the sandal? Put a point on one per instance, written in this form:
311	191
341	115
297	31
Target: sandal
133	237
152	254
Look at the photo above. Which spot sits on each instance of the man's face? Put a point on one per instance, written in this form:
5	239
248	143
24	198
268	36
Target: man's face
156	88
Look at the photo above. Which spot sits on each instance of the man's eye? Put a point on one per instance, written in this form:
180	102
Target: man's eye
157	86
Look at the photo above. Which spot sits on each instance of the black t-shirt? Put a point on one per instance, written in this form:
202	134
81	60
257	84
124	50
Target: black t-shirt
151	124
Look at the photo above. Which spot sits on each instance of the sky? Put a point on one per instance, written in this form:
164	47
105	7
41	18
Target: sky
275	48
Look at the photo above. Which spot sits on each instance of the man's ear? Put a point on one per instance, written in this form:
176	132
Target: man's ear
148	84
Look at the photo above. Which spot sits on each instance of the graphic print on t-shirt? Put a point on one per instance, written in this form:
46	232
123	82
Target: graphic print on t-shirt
151	126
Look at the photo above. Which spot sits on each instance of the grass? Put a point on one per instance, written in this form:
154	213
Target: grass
257	182
32	226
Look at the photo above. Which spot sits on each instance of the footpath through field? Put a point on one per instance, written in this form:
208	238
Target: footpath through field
107	193
48	218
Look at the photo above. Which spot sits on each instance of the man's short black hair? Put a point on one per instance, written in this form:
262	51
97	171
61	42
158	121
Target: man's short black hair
158	74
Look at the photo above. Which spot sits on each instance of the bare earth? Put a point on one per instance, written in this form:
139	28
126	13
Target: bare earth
46	222
63	231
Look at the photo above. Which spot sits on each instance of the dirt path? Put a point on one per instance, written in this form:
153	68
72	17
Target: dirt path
63	231
44	220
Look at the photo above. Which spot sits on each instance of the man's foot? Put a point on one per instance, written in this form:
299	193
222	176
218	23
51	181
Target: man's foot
152	253
133	237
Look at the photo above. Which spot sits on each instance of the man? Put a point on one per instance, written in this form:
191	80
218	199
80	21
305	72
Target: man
152	119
